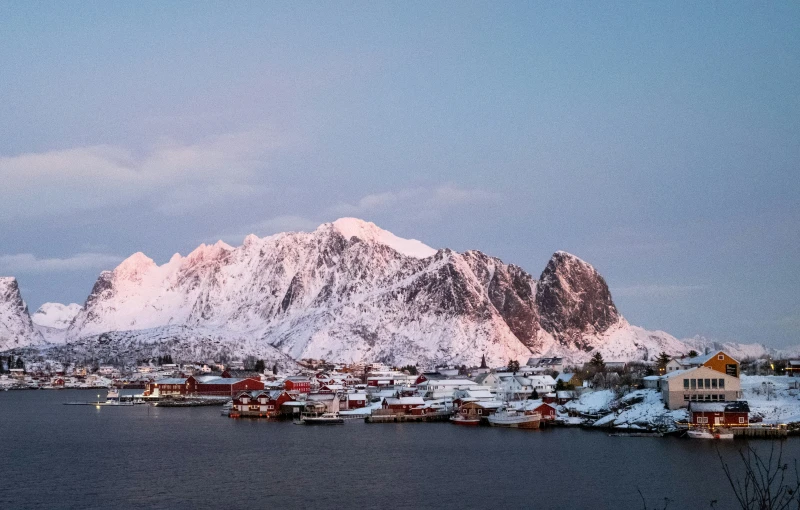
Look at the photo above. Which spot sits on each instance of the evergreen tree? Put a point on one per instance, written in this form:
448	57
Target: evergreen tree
260	365
483	361
275	369
693	354
20	363
597	362
535	395
663	359
513	366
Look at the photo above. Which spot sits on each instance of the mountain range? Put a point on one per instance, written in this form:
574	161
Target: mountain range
348	291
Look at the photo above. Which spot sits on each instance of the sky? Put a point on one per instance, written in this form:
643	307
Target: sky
659	141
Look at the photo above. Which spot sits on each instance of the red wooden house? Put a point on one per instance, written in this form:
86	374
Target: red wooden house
402	404
719	414
547	411
297	384
228	386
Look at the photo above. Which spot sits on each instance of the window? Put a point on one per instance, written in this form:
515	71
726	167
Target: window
741	420
685	397
700	384
713	384
702	419
722	384
708	384
686	384
708	397
694	383
721	357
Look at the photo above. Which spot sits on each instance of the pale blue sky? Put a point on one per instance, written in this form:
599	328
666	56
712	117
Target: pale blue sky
658	141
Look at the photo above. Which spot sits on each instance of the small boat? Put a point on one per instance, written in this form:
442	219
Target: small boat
460	419
509	417
710	434
321	419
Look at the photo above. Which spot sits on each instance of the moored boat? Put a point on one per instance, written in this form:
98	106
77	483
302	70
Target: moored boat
460	419
509	417
321	419
719	433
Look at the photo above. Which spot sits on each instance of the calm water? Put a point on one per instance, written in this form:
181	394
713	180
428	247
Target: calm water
56	456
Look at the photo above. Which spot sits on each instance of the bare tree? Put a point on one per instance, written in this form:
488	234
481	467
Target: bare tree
768	483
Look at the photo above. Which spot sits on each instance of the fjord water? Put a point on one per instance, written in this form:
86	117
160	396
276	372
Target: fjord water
56	456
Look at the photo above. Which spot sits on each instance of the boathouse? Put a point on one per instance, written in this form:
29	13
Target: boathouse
719	414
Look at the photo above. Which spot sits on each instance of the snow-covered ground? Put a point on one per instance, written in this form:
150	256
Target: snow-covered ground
640	409
781	404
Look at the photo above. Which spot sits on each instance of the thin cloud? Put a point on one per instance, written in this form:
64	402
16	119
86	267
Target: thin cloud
659	291
421	201
173	177
26	263
286	223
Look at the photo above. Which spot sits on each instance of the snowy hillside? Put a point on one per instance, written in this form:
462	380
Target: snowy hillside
16	328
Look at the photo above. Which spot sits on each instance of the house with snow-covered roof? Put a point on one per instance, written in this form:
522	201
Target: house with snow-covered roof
444	388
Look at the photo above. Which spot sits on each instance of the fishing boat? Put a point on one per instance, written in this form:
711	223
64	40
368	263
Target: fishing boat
510	417
460	419
718	433
321	419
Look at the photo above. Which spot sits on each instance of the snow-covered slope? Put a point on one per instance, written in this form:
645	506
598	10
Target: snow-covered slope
351	291
53	319
16	328
343	292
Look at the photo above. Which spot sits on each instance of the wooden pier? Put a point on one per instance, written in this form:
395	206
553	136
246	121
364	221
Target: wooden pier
764	432
407	418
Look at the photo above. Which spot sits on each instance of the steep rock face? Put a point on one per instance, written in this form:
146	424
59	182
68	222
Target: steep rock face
16	328
348	291
574	302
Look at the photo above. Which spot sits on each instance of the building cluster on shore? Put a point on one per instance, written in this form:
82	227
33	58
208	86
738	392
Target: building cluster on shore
543	391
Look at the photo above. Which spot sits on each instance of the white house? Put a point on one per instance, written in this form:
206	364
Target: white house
700	384
443	388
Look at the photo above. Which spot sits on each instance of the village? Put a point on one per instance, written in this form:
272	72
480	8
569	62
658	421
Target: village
703	396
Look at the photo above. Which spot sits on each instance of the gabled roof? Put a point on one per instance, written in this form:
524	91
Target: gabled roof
704	358
405	401
739	406
171	380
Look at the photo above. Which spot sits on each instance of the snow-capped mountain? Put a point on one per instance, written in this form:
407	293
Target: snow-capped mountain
16	328
350	291
53	319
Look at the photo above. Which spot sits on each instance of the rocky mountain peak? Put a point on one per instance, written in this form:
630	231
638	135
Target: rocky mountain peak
134	266
574	301
369	232
16	328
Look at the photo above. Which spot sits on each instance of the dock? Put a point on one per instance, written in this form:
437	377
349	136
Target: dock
407	418
762	432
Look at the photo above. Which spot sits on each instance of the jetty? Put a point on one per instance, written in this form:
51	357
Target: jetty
382	416
760	432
